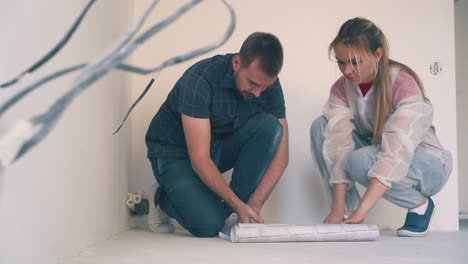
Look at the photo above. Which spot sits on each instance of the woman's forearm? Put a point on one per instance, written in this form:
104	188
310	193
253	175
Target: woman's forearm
374	192
339	195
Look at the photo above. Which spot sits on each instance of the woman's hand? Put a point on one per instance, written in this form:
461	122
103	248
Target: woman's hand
355	218
337	212
374	192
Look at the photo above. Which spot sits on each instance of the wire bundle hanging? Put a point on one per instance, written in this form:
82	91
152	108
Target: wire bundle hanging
24	135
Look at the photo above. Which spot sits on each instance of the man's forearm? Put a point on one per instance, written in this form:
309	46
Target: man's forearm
273	173
212	177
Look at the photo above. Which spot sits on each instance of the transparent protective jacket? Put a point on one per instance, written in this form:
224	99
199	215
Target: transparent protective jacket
407	127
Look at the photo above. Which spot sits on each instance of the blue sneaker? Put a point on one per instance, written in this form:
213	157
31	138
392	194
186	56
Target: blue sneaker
417	225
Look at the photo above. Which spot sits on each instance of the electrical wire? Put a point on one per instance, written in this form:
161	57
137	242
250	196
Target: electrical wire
43	123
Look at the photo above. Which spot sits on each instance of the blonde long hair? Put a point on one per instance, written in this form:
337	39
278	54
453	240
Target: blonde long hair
360	34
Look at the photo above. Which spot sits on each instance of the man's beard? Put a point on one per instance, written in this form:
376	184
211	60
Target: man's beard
245	94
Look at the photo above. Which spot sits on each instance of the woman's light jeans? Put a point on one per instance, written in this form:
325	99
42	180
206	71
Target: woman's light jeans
426	176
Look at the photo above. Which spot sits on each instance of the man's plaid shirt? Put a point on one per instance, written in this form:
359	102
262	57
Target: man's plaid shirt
206	90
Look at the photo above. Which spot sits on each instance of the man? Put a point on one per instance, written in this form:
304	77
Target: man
224	112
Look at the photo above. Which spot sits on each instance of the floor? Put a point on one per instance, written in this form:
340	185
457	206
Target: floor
141	246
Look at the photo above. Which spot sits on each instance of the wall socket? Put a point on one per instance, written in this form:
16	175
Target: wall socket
435	68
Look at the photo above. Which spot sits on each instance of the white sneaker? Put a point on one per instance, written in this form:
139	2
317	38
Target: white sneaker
158	221
225	232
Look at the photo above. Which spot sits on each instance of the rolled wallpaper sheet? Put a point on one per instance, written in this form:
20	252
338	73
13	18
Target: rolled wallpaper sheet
263	233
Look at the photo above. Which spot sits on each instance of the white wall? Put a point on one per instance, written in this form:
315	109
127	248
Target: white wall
69	192
305	29
461	58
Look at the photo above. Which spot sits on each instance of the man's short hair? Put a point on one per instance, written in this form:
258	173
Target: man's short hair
267	48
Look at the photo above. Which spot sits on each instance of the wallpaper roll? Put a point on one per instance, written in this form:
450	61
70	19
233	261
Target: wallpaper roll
262	233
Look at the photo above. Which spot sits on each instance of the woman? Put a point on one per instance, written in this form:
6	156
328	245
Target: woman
376	130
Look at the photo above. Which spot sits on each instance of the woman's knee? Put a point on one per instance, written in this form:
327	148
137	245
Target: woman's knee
318	127
358	164
317	130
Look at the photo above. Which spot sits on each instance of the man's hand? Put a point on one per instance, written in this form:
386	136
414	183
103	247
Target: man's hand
255	205
248	215
334	218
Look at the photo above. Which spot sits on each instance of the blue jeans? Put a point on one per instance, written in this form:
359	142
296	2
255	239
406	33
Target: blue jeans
426	175
184	197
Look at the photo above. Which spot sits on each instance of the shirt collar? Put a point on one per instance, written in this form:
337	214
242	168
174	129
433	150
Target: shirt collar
228	80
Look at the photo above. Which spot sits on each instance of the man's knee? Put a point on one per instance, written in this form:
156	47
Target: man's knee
200	210
208	226
268	127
